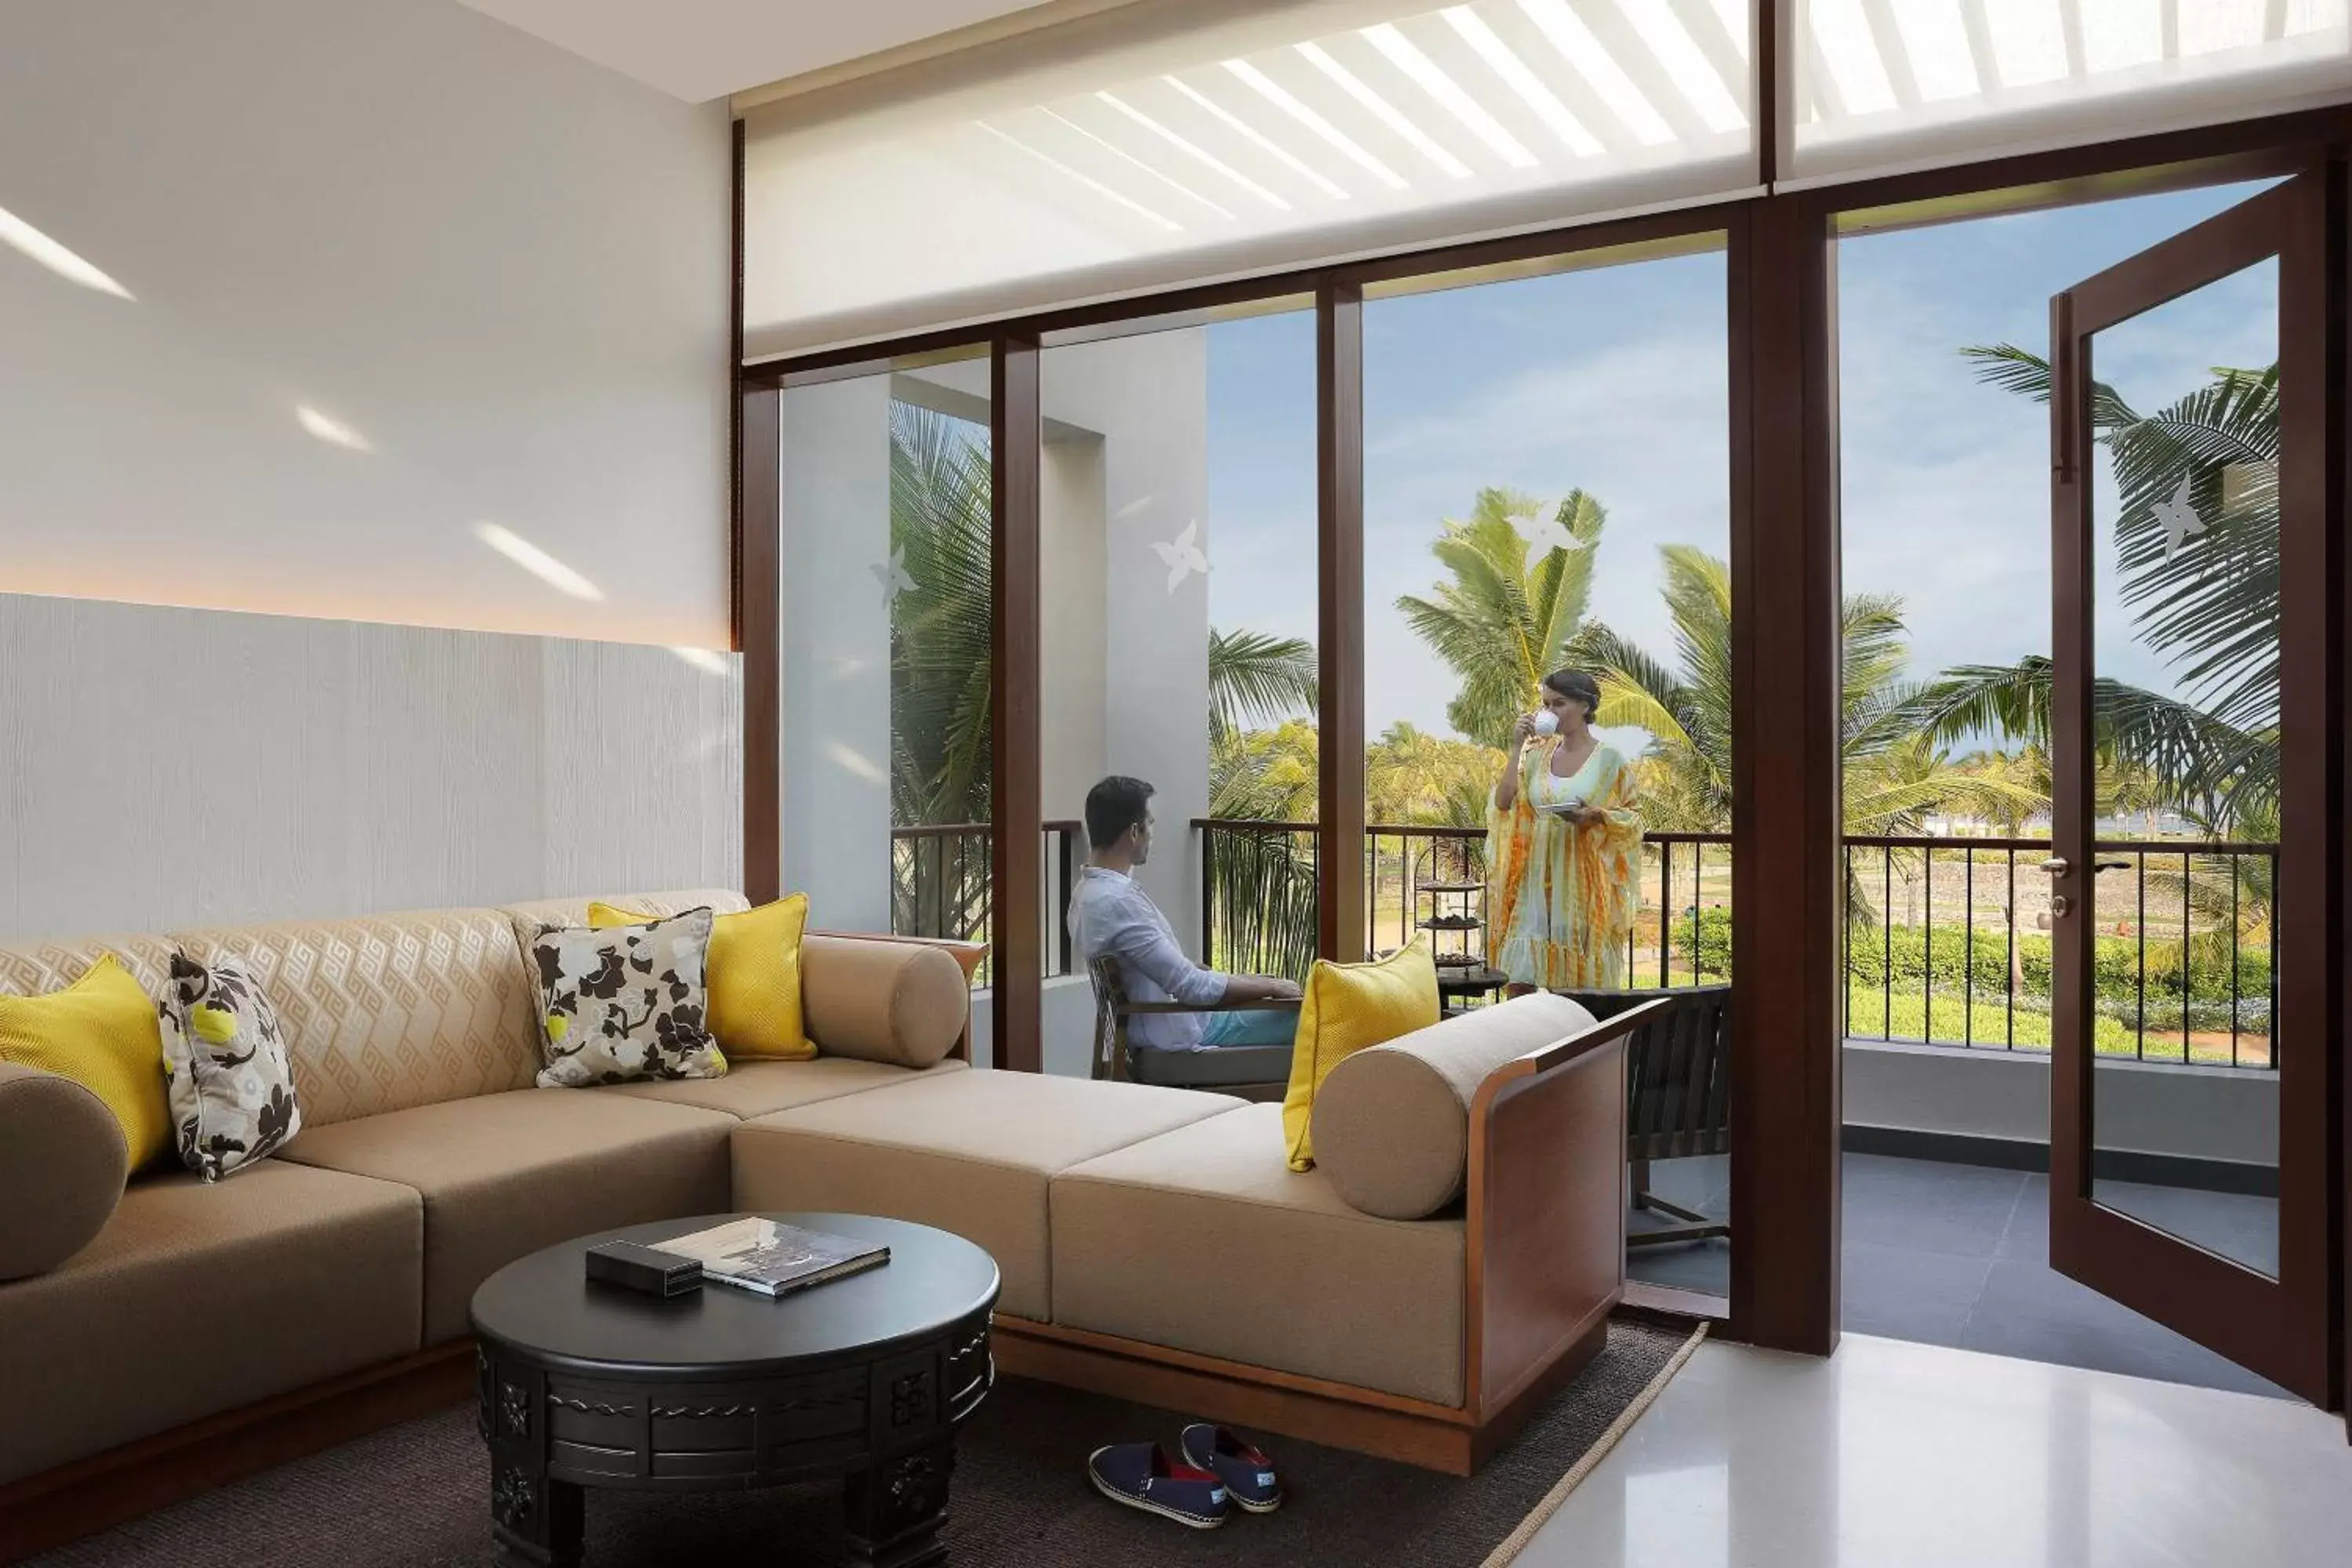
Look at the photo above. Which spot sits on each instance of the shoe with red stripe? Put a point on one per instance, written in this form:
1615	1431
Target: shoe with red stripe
1145	1476
1245	1468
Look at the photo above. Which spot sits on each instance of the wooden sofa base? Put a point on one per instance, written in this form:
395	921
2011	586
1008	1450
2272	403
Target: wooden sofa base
1411	1431
87	1496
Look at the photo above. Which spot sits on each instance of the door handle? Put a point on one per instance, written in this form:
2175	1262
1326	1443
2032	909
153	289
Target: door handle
2055	866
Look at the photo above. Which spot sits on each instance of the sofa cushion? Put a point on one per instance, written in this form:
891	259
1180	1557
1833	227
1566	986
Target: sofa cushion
753	973
101	1032
1392	1123
1204	1239
758	1088
506	1175
525	918
196	1300
625	1003
224	1067
967	1151
386	1012
59	1141
1350	1007
896	1002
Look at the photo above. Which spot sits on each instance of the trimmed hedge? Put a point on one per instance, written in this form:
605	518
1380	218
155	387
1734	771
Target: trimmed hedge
1947	963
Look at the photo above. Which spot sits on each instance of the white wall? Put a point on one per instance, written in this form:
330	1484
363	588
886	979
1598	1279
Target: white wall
505	268
164	768
2207	1113
1147	398
1074	651
1068	1009
836	768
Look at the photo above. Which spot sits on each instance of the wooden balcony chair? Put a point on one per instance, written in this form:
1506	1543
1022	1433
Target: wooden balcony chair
1678	1088
1253	1073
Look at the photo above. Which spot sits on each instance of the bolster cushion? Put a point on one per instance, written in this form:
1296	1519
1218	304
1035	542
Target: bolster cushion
63	1161
896	1002
1393	1123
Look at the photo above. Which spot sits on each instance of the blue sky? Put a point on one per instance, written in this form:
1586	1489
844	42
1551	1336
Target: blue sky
1614	380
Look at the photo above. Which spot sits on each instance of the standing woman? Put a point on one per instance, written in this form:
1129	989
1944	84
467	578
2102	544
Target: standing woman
1563	849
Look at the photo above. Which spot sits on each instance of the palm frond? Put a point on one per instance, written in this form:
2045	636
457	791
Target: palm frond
1255	677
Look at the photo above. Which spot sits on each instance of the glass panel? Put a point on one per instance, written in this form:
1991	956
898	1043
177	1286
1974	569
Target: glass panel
1547	488
1151	148
886	624
1887	83
2186	621
1177	542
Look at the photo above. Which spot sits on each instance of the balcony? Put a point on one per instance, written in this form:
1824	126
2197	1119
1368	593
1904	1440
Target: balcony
1946	1048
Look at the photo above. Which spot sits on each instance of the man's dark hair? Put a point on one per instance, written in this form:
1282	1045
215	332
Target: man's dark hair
1115	805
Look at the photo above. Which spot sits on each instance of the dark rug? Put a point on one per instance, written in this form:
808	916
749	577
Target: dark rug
419	1493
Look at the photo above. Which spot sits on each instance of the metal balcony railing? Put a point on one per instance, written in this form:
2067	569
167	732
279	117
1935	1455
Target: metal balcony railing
1948	942
1258	908
941	887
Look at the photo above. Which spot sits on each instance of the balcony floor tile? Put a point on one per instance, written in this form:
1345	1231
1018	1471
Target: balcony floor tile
1959	1256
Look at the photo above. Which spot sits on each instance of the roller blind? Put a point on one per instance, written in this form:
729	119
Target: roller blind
1169	143
1883	86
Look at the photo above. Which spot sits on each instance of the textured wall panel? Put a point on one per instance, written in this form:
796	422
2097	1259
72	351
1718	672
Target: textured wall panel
164	768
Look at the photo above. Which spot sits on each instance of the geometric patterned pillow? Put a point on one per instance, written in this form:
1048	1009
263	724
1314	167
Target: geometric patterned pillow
626	1002
226	1071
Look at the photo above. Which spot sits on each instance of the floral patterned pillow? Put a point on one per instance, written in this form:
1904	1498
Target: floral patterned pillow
625	1003
225	1072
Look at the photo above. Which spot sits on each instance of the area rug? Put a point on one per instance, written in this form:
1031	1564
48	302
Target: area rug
419	1494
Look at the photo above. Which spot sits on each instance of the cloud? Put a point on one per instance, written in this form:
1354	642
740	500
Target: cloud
1642	424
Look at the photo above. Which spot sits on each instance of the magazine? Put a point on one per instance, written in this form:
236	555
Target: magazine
775	1259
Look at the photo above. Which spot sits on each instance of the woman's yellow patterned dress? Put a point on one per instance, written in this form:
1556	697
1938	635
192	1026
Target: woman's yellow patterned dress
1560	898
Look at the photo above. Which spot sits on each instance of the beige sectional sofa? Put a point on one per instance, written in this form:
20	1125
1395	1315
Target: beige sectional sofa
1151	1240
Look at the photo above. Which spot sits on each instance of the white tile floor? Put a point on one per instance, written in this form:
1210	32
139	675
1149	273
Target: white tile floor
1892	1454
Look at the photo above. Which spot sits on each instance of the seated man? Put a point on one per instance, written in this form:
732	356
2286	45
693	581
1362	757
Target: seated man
1109	915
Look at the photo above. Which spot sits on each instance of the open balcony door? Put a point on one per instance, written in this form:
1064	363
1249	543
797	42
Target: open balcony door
2241	550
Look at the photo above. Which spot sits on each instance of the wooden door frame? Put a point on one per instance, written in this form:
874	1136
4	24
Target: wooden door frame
2282	1329
1788	886
1342	911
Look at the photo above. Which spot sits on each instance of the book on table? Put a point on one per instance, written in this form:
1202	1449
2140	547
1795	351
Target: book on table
773	1258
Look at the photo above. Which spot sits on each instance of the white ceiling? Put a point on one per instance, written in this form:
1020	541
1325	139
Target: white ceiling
702	50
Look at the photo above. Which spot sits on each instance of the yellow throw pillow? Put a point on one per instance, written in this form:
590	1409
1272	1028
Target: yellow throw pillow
1349	1006
753	971
101	1032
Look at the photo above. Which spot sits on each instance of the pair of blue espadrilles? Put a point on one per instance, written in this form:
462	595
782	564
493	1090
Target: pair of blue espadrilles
1212	1472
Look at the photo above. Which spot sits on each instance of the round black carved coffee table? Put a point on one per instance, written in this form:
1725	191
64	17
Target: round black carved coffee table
867	1378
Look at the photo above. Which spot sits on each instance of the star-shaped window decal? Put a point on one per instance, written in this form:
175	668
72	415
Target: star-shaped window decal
892	576
2178	519
1182	555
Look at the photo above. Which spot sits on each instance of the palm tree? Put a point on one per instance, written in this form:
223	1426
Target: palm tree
2209	607
1505	619
1414	777
941	626
940	621
1255	677
1895	773
1265	775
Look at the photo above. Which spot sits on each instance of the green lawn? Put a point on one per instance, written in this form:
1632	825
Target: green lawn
1868	1016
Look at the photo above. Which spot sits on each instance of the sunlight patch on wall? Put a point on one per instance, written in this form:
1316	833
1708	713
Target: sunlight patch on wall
26	240
537	561
330	430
